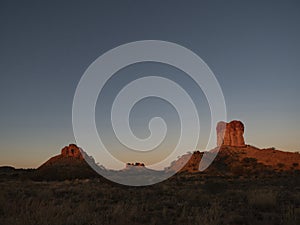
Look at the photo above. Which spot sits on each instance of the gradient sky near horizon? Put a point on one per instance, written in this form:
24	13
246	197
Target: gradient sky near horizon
253	48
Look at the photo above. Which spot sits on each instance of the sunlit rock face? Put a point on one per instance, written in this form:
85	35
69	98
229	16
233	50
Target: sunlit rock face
71	151
230	134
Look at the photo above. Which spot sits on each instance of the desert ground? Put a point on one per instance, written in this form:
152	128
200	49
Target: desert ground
182	199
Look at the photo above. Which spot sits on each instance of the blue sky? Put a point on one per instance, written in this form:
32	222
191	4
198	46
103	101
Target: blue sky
251	46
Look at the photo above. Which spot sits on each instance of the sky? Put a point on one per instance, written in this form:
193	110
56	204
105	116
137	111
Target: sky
252	47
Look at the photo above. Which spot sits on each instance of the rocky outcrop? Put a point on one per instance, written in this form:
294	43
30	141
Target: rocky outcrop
186	163
236	157
137	164
69	164
71	151
230	134
247	160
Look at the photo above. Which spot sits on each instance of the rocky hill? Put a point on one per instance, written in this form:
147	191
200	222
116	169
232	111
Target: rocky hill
237	158
70	164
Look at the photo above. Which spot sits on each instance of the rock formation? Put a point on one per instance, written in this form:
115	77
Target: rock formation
69	164
235	157
137	164
230	134
71	151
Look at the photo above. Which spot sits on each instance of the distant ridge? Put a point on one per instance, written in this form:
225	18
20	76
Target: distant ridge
246	160
234	158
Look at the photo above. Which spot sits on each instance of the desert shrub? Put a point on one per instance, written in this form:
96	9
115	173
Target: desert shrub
238	170
197	200
249	160
262	199
214	187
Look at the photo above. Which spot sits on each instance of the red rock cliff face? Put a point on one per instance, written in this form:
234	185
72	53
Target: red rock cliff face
230	134
71	151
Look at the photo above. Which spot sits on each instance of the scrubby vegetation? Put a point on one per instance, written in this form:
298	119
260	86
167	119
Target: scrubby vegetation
183	199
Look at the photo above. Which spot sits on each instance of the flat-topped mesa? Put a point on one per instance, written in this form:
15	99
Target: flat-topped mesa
230	134
72	151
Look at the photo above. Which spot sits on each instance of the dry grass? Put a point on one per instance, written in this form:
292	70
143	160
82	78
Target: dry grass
181	200
262	199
